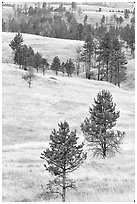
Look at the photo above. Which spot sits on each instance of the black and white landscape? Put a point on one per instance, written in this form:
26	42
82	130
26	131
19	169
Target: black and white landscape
68	102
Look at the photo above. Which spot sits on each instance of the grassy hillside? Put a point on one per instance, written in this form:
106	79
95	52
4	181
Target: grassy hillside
65	49
29	115
48	47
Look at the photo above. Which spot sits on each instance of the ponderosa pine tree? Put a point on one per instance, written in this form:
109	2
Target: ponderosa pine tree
16	46
88	53
70	67
44	65
118	67
98	128
78	58
106	45
56	64
62	68
16	42
62	158
37	61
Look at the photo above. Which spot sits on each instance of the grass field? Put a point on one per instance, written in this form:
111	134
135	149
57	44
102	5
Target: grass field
29	115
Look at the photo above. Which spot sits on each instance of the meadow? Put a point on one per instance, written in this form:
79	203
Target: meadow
29	116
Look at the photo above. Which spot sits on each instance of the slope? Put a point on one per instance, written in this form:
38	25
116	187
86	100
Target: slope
29	115
48	47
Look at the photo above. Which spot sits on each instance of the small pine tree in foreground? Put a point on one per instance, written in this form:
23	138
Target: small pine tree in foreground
29	76
97	129
63	157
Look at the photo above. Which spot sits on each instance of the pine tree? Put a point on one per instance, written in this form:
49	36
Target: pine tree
70	67
78	58
56	64
37	61
99	50
30	57
62	69
25	56
118	67
63	157
16	42
98	128
18	56
106	45
44	64
88	53
16	46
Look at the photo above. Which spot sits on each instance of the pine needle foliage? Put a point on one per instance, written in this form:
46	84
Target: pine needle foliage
63	157
97	129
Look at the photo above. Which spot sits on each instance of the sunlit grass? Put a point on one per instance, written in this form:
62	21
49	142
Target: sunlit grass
29	115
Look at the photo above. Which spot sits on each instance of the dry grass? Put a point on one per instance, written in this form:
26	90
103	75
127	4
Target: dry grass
29	115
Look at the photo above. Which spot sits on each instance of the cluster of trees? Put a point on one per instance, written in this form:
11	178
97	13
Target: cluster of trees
103	58
64	67
25	56
65	155
45	21
108	57
58	24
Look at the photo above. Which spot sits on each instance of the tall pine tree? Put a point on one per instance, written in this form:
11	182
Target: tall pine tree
98	128
88	53
63	157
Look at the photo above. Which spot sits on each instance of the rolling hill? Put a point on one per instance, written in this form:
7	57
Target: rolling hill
29	116
48	47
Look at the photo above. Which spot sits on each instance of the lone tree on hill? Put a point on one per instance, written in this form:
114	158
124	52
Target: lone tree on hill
29	76
97	128
63	157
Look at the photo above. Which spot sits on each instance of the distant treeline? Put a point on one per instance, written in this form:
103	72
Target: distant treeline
59	23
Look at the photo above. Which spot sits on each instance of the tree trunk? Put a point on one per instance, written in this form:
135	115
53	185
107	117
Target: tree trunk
29	84
104	149
111	75
78	66
37	69
99	71
118	77
64	187
107	70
